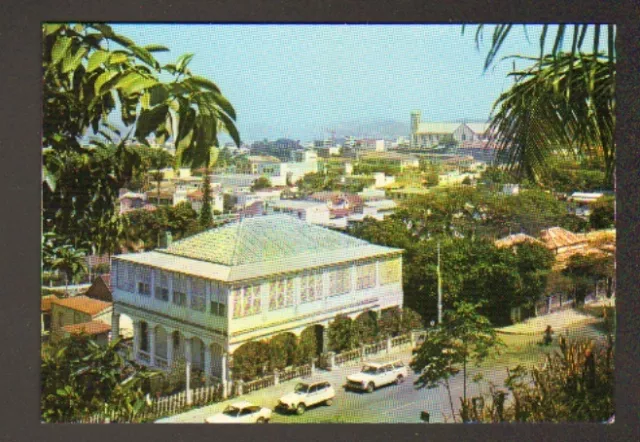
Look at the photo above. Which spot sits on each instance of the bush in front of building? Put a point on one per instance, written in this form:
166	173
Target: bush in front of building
366	328
342	336
251	361
307	345
283	351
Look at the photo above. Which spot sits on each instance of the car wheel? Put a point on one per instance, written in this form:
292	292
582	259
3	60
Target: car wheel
399	379
262	420
329	402
370	387
301	408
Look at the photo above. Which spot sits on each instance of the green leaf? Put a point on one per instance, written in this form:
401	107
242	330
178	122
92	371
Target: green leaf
59	49
118	58
51	28
183	61
139	85
156	48
70	63
96	59
149	121
204	83
230	128
158	94
102	79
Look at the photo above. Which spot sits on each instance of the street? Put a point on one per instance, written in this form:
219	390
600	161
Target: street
391	404
403	403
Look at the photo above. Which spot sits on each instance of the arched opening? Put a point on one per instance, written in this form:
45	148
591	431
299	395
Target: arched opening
178	345
144	336
216	360
161	342
197	353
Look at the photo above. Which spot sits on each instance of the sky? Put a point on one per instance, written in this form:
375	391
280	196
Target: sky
300	81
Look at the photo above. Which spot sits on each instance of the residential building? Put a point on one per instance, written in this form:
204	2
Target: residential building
69	315
268	195
426	134
134	201
390	159
515	239
563	243
309	211
339	203
205	296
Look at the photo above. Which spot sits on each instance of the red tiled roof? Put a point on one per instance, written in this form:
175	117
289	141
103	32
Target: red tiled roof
512	240
45	302
90	328
556	237
84	304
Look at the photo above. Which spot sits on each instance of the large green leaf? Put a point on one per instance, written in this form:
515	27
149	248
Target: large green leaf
149	121
156	48
71	62
103	79
183	61
204	83
139	85
51	28
118	58
96	59
158	94
59	49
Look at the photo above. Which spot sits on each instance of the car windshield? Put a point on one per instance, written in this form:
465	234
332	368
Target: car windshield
231	411
369	369
302	388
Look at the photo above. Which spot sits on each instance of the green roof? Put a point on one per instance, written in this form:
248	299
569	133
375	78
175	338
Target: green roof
263	239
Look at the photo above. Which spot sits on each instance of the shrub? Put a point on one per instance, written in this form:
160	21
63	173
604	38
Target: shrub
341	334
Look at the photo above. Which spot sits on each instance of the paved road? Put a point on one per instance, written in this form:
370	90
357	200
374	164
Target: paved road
392	404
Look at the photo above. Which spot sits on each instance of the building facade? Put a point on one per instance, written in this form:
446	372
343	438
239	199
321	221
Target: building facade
203	297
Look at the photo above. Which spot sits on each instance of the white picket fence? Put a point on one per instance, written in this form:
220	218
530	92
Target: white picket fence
176	403
164	406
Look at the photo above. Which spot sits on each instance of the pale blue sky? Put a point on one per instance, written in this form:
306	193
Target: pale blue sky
295	80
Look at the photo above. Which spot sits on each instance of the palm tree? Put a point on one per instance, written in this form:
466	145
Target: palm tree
561	104
565	100
69	261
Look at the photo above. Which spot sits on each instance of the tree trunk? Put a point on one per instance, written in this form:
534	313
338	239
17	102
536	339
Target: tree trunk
464	380
448	387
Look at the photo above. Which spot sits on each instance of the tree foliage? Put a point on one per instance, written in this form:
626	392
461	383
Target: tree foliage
575	384
206	216
602	214
89	73
464	336
261	183
80	377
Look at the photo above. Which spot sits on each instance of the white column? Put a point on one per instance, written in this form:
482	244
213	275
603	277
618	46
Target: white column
115	325
187	356
207	361
136	338
152	344
223	375
170	283
169	348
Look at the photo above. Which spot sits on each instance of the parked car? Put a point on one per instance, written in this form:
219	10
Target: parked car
374	375
306	395
241	413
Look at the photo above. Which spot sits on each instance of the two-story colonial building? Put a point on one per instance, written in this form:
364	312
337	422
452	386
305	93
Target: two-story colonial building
204	296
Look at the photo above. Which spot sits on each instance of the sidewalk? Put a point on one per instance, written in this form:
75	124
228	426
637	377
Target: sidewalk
558	321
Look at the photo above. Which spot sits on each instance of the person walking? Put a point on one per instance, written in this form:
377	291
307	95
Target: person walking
548	338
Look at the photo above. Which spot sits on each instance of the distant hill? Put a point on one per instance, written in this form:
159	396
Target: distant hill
389	129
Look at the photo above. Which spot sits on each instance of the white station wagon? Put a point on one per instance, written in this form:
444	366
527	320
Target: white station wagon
241	413
374	375
305	395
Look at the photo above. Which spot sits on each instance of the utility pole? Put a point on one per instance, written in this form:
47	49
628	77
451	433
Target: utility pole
439	288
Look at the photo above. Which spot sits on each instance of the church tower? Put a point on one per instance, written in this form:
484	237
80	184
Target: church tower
415	123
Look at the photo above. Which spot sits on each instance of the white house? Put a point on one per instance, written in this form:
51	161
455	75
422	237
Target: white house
206	295
310	211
